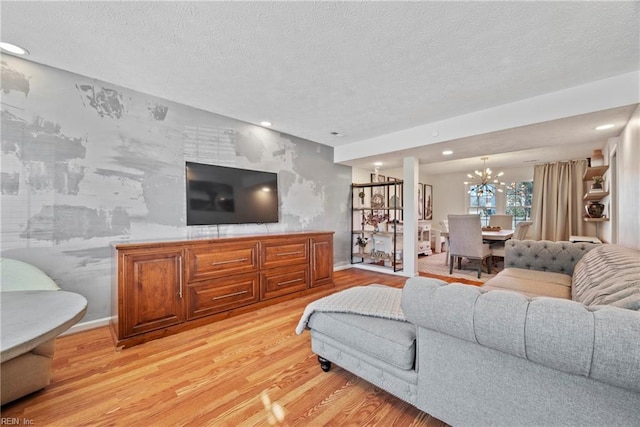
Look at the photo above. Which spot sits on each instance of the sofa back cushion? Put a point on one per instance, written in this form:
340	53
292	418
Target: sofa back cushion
608	275
544	255
594	342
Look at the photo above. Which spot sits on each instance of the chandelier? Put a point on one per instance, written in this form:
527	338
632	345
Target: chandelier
482	182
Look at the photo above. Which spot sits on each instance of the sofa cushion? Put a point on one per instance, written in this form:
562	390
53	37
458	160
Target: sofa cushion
608	275
532	282
391	341
593	342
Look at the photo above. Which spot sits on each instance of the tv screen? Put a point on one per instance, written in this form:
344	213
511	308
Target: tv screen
224	195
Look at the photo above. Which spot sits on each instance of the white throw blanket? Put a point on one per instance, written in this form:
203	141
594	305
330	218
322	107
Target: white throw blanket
373	300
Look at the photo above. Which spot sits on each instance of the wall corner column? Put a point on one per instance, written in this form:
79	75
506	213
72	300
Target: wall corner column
410	215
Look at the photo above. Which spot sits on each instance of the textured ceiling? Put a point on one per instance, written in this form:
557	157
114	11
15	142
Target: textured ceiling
362	69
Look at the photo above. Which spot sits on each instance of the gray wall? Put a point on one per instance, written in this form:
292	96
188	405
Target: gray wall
86	163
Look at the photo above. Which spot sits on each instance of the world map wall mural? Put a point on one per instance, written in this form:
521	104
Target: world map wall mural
86	163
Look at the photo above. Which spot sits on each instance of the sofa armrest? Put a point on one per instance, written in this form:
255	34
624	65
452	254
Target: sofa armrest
545	255
599	343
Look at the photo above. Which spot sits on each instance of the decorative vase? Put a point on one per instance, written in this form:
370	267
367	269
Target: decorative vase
597	158
594	209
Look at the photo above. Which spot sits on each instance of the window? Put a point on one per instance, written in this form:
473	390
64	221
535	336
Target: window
514	200
519	196
483	203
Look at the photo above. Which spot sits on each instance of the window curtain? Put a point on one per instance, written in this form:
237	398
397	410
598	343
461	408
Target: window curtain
557	203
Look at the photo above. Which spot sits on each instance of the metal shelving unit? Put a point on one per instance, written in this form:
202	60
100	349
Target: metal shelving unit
377	217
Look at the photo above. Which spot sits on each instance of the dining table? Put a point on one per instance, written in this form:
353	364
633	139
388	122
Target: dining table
500	235
487	235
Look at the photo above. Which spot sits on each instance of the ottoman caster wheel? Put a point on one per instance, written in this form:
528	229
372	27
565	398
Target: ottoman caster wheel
325	365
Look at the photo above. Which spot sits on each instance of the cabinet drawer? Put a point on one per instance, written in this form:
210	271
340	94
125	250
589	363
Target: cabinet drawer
221	259
283	281
218	295
279	253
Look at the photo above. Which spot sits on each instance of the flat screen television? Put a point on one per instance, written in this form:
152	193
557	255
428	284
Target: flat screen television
225	195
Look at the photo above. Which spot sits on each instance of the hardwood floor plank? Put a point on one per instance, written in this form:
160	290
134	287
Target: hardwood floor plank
220	374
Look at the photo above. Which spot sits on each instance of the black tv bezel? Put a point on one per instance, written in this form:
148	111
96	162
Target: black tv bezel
252	218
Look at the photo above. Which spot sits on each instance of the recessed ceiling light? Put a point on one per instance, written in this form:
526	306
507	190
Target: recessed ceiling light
12	48
605	127
447	152
266	123
377	164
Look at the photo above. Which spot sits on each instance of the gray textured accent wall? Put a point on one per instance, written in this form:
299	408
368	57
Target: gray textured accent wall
86	163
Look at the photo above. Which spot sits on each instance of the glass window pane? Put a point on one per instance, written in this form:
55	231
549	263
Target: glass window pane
519	197
482	200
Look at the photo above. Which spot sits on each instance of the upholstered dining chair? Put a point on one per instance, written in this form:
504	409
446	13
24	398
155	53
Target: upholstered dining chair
444	228
505	222
497	248
465	241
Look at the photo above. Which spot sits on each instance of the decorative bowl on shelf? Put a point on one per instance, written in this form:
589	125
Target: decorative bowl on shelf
594	209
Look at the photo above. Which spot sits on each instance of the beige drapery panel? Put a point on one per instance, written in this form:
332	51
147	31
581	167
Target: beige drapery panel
557	203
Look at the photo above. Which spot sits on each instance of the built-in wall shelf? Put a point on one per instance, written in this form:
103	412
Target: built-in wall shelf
594	171
595	195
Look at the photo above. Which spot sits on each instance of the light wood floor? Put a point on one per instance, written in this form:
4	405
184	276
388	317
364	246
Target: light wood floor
235	372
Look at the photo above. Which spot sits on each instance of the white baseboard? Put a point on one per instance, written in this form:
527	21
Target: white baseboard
380	269
85	326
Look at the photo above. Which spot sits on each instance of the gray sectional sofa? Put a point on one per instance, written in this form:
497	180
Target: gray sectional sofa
494	356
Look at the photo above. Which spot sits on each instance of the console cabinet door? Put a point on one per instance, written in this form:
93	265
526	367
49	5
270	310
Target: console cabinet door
321	260
151	290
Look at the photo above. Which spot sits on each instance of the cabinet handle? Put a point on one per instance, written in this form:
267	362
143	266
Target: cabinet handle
229	261
313	254
180	265
289	281
228	295
289	253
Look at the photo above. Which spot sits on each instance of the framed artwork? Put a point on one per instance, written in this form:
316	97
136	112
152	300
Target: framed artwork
378	178
377	198
428	201
420	201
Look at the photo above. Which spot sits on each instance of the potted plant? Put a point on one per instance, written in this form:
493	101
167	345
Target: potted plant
597	183
361	242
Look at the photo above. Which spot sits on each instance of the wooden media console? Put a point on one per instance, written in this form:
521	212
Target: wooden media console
162	288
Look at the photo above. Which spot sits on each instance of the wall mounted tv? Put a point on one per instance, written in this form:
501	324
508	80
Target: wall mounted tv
224	195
